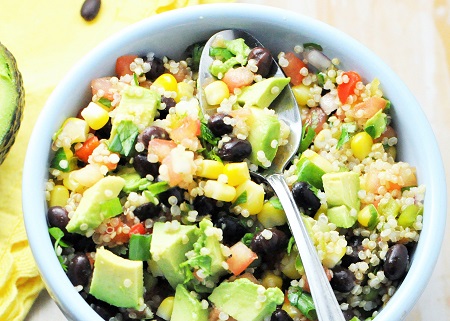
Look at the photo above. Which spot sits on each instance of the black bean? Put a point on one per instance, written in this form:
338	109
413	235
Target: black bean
236	150
305	198
205	205
79	270
348	314
150	133
103	309
58	217
396	262
156	68
355	242
147	210
144	167
280	315
217	125
90	9
233	229
174	191
105	131
343	279
168	102
263	59
269	241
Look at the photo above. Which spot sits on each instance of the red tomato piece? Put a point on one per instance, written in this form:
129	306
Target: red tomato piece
123	65
187	128
241	257
348	88
316	118
137	229
293	68
103	84
87	148
161	147
238	77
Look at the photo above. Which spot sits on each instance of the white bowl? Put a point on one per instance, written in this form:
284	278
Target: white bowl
169	34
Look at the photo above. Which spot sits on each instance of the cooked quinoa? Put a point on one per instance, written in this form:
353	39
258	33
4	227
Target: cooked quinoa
184	169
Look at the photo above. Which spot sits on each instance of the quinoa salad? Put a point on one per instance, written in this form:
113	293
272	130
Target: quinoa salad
155	213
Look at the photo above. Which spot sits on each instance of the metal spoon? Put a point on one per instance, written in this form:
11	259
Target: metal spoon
325	302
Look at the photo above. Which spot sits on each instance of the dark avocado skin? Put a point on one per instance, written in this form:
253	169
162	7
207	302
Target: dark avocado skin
9	138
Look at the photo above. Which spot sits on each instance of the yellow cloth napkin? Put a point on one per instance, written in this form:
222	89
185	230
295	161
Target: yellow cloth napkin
47	37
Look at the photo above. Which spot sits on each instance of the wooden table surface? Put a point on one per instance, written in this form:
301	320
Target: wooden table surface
413	38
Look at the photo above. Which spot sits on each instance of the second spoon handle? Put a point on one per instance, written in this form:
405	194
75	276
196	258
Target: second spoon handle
327	307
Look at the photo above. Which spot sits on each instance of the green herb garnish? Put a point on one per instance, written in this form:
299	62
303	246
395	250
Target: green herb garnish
302	301
105	102
58	234
347	130
123	141
308	135
241	199
312	45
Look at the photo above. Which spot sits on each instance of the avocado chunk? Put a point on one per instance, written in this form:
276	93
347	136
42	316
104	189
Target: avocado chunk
12	101
311	167
261	94
168	247
117	281
342	216
341	188
309	172
376	125
206	259
137	105
263	136
227	54
246	301
368	216
186	307
99	202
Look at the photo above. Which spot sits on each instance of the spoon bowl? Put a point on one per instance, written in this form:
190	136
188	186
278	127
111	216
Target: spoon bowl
286	108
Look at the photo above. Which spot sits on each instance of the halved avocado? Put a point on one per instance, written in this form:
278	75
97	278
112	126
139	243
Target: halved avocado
12	101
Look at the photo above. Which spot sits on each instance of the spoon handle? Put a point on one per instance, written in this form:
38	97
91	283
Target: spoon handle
327	307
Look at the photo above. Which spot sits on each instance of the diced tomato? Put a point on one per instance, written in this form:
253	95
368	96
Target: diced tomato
161	147
188	127
123	65
137	229
238	78
316	118
348	88
103	84
295	64
368	108
182	72
241	257
87	148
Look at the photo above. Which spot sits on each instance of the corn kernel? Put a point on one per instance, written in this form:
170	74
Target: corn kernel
216	92
76	129
287	266
237	173
165	308
95	116
184	90
219	191
293	312
210	169
59	196
271	280
255	196
302	94
361	145
270	216
166	81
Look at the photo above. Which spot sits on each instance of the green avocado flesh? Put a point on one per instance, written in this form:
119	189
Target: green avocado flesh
11	101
